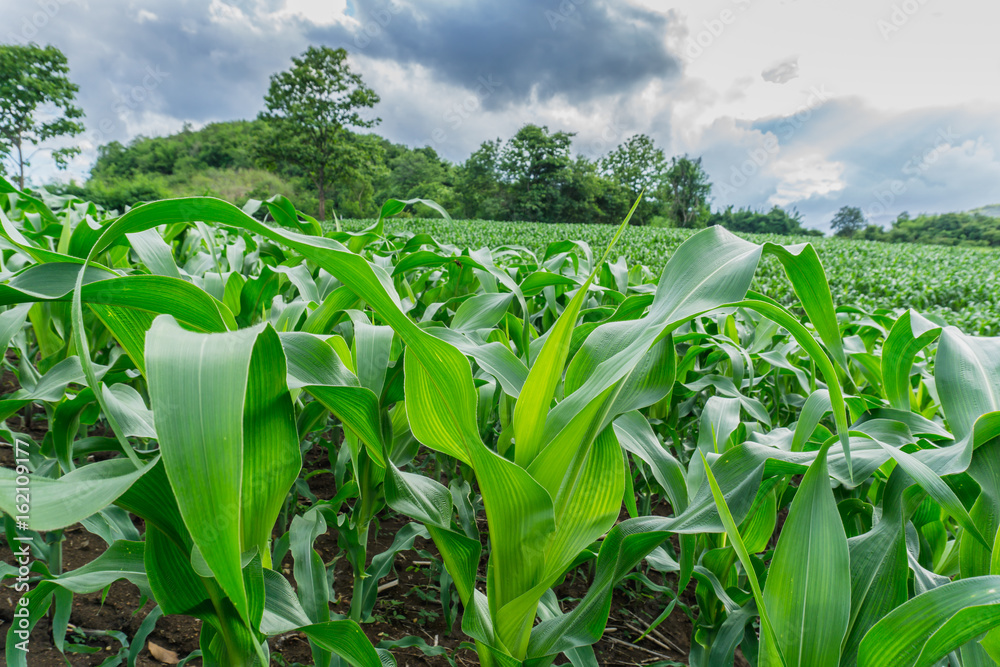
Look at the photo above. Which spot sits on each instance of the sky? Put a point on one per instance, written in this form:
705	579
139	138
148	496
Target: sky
887	105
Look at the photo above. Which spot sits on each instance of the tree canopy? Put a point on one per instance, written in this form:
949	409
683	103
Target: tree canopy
308	109
775	221
34	79
848	221
974	228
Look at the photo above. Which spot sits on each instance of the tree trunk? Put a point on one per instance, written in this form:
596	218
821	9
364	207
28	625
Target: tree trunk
20	164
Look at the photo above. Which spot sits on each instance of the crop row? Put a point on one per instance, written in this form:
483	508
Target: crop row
959	285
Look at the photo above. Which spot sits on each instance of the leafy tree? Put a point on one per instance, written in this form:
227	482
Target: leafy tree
479	189
33	79
422	173
688	187
584	196
215	146
966	229
356	163
411	173
871	233
117	193
534	164
309	109
775	221
847	221
638	166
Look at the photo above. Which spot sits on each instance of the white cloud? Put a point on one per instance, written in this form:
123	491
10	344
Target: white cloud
230	16
316	12
807	177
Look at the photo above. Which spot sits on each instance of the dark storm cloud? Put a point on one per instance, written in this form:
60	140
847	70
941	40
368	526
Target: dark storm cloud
203	61
580	49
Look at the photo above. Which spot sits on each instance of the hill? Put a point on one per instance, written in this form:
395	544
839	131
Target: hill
993	210
216	160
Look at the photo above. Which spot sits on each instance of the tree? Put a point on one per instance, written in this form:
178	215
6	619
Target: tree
357	162
689	188
479	187
775	221
534	163
309	109
34	79
638	166
847	221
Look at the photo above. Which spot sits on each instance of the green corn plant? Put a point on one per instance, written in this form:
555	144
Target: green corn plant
254	439
326	369
512	628
212	501
537	373
521	568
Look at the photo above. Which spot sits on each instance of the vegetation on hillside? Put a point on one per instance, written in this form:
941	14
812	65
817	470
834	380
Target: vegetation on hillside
958	229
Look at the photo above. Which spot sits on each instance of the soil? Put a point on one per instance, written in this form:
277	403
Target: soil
400	611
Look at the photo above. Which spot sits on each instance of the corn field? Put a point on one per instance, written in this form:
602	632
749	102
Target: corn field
803	460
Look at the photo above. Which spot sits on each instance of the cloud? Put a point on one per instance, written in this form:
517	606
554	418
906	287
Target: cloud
843	152
783	72
575	49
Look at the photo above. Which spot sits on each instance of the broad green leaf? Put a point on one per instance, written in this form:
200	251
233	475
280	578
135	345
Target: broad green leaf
282	613
809	578
910	334
58	503
928	627
228	440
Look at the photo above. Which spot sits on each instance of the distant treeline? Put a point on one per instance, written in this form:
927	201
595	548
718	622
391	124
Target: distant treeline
955	229
531	176
775	221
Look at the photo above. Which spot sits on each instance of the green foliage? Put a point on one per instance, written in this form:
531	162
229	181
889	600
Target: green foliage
688	188
215	146
975	229
33	78
965	229
749	221
958	285
215	161
638	167
117	193
309	108
848	221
